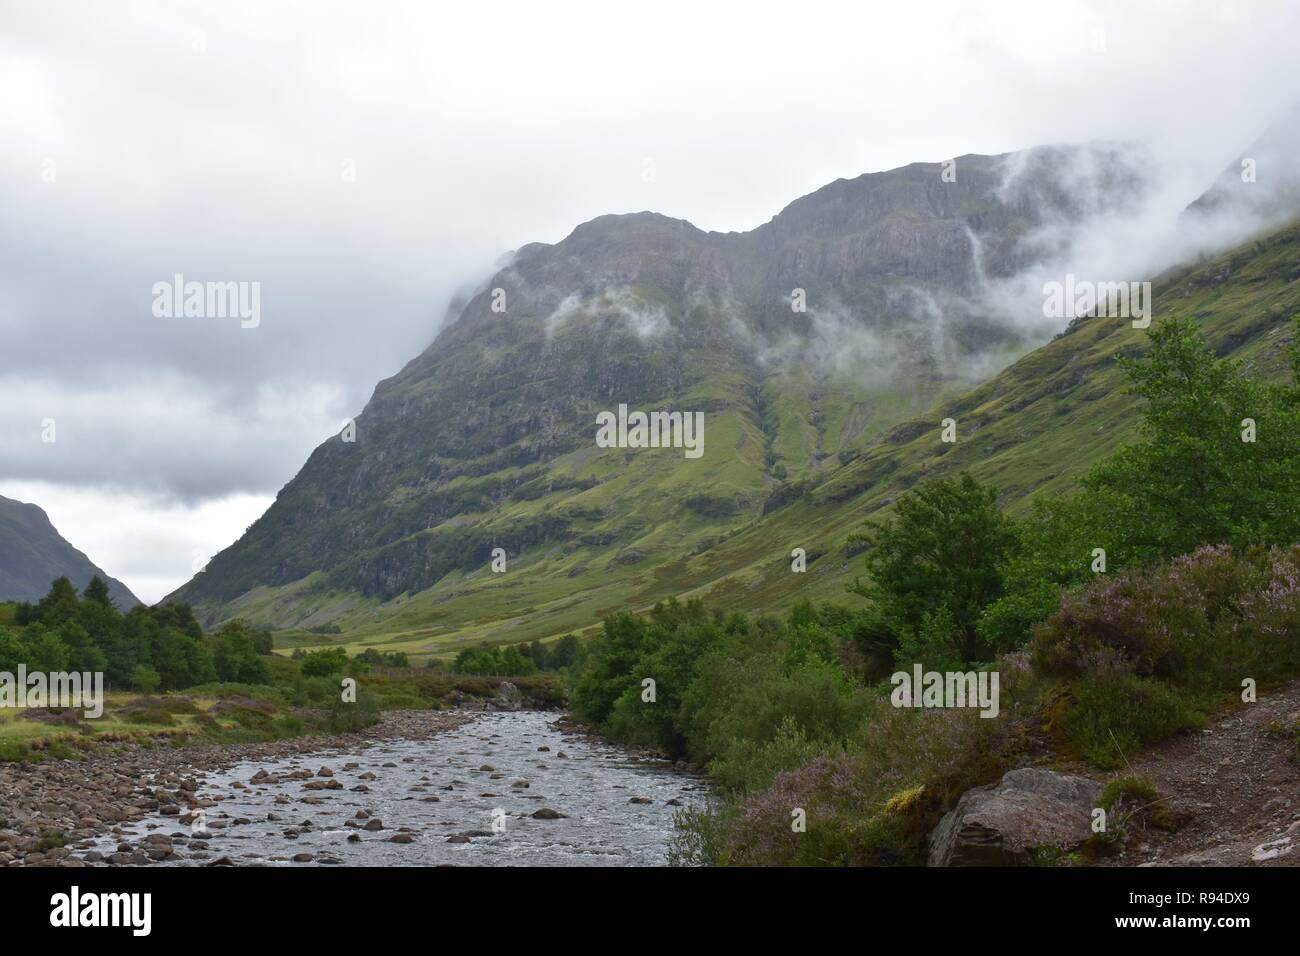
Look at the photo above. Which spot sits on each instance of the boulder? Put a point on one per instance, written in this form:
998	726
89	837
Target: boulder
1004	824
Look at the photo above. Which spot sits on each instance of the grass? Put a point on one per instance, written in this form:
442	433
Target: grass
246	713
114	721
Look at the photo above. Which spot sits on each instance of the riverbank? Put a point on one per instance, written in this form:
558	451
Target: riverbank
49	810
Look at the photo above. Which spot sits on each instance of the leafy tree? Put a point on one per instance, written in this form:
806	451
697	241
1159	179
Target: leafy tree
934	643
1190	481
45	652
390	659
13	651
59	605
235	656
324	663
146	679
510	661
97	591
610	666
564	652
1193	480
179	617
944	548
181	662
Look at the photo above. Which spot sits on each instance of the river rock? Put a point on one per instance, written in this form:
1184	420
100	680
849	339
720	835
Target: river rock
1003	824
546	813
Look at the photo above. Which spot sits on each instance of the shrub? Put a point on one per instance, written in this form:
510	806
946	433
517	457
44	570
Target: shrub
1132	805
348	717
322	663
1205	620
150	715
1103	717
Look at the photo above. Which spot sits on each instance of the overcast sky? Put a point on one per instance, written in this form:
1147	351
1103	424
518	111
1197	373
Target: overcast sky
362	161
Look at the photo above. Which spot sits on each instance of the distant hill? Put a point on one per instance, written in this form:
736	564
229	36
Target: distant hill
33	553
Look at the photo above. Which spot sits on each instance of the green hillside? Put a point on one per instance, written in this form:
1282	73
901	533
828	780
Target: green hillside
653	524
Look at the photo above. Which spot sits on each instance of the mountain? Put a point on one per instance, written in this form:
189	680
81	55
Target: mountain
1032	430
32	554
1262	187
487	439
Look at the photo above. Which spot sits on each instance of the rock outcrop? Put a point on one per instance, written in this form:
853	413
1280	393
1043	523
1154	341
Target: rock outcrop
1004	824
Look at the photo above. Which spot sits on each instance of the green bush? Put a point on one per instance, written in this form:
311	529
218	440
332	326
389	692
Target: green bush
1104	718
146	679
322	663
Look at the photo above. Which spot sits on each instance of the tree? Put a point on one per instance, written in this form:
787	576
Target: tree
564	653
944	548
1203	474
324	663
59	605
235	657
97	591
145	679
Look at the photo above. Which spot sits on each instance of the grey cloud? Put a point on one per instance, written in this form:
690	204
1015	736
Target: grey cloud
477	130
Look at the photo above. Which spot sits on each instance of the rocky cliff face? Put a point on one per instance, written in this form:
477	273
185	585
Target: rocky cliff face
854	308
33	554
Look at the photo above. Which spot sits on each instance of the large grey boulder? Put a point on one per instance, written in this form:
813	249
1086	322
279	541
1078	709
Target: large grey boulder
1003	824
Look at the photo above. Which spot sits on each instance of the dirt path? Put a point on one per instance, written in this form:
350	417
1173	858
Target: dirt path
1236	783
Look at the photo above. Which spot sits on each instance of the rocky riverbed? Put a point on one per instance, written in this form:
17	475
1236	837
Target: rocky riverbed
421	788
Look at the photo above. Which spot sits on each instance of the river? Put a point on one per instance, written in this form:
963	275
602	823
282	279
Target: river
466	796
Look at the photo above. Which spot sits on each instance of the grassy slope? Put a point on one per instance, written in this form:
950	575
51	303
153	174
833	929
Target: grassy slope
1032	429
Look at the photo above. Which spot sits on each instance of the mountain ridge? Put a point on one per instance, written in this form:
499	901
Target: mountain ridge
482	440
33	554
